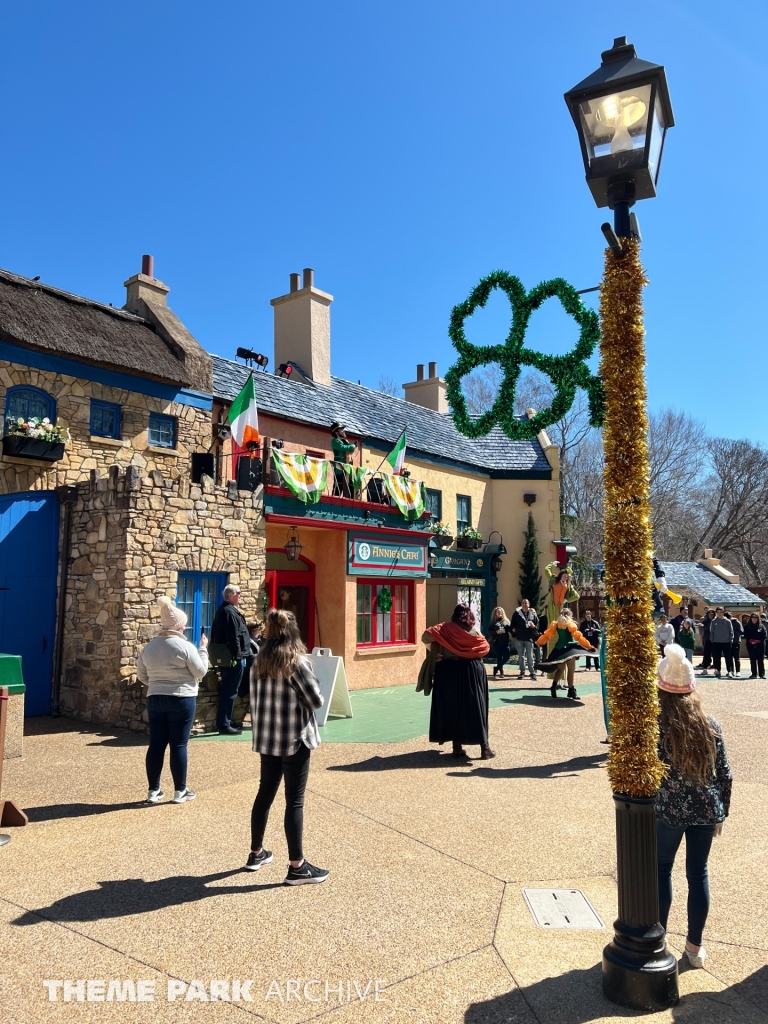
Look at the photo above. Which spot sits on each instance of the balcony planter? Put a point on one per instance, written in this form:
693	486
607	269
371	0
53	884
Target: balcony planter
442	540
468	543
21	447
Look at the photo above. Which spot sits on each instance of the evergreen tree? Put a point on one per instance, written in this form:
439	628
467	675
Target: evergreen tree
529	579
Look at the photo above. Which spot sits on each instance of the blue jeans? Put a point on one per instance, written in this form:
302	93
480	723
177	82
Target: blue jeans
698	842
170	723
228	687
525	654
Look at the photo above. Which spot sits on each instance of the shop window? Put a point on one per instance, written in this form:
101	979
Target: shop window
162	430
199	594
384	613
105	419
23	402
434	503
463	512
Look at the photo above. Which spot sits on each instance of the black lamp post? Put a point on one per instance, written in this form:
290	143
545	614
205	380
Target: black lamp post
622	113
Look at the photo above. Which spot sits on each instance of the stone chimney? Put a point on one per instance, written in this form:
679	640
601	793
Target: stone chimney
148	298
430	392
303	328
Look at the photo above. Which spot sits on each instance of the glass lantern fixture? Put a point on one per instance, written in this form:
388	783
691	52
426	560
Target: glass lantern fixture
293	546
622	112
495	551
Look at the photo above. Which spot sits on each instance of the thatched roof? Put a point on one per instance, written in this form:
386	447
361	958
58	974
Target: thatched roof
50	320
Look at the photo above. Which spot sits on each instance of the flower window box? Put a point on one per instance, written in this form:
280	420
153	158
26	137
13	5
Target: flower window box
20	447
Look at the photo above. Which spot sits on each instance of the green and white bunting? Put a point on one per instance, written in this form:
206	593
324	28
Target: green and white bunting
407	494
304	477
356	474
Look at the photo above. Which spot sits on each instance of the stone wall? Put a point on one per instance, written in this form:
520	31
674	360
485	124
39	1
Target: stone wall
85	452
131	536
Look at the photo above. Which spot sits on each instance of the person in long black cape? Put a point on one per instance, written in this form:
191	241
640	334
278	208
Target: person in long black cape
459	712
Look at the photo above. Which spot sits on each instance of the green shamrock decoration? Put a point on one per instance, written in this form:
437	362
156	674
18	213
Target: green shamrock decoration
566	372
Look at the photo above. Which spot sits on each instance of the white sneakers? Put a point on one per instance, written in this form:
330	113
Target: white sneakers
180	796
696	959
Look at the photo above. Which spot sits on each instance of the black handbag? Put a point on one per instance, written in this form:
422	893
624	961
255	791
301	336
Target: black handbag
220	656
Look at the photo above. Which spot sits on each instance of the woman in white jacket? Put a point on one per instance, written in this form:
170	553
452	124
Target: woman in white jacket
171	667
665	633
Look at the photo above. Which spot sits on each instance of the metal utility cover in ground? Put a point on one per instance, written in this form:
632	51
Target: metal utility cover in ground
561	908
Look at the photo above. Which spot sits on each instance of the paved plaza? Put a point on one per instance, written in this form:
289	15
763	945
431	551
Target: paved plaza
428	858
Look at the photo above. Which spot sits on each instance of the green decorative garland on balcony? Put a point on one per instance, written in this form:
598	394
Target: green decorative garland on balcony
567	372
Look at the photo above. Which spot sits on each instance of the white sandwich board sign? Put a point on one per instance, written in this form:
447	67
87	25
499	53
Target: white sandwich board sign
332	678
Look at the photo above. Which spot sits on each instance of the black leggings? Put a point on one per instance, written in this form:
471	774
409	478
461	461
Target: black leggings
295	768
757	664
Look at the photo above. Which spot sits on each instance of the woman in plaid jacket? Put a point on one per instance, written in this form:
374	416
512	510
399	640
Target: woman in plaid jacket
284	697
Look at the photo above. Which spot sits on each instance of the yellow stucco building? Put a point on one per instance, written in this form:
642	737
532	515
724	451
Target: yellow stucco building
367	579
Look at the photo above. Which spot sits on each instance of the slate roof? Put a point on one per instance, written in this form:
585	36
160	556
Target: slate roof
707	584
378	417
38	316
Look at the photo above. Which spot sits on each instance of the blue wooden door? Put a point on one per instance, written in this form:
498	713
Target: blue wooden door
29	545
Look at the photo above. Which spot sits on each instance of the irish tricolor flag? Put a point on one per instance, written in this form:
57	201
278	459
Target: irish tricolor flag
396	457
243	417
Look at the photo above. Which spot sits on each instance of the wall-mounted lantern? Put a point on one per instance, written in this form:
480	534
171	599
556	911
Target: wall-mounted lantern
293	546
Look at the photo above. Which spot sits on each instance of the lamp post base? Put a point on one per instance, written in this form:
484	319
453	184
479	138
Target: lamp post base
644	980
638	970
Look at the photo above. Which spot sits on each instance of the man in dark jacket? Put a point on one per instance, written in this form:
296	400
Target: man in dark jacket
590	629
679	619
721	638
738	633
525	629
229	627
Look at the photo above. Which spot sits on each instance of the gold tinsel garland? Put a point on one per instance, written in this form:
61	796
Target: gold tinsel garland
633	764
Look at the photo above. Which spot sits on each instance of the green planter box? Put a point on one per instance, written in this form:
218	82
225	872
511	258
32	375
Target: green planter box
10	676
10	673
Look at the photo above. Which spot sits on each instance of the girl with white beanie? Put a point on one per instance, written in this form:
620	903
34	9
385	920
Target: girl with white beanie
171	667
694	796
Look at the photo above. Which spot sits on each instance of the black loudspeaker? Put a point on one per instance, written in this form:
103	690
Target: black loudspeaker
203	462
249	473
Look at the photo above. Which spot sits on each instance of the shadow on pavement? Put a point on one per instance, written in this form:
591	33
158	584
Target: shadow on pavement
121	898
111	736
546	699
414	759
56	811
440	759
538	771
576	997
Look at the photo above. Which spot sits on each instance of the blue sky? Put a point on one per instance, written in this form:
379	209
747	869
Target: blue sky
403	150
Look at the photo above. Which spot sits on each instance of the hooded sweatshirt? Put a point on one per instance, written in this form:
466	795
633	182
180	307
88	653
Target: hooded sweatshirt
721	631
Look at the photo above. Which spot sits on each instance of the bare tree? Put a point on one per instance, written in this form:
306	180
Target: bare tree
481	388
388	386
704	491
734	506
677	451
